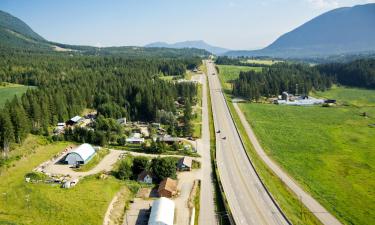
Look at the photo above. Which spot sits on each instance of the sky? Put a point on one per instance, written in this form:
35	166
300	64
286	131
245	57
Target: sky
233	24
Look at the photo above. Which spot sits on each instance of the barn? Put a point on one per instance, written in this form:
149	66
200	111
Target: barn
162	212
81	155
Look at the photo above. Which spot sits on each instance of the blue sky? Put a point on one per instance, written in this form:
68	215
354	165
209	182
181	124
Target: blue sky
235	24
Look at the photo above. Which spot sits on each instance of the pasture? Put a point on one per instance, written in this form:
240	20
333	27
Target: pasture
40	203
228	73
328	150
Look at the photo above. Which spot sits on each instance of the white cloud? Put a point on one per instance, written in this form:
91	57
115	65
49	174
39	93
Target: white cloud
324	4
330	4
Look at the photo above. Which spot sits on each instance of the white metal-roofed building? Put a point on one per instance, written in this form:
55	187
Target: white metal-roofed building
162	212
81	155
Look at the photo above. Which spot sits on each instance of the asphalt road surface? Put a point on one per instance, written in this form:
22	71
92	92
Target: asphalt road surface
207	214
247	198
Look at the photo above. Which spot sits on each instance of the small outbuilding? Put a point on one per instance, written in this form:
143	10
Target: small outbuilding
184	164
81	155
167	188
145	177
74	121
162	212
135	140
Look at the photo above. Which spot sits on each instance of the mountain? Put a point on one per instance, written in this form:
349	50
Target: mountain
190	44
344	30
16	35
14	32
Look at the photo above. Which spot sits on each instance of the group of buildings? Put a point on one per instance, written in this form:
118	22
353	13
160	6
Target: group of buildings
304	100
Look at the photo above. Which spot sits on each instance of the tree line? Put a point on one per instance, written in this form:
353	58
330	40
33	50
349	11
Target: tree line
303	78
272	80
359	73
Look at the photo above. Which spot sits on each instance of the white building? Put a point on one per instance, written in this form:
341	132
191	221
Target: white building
134	140
145	177
162	212
81	155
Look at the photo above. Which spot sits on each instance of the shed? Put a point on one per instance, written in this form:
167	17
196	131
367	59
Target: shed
135	140
81	155
162	212
167	188
184	164
74	120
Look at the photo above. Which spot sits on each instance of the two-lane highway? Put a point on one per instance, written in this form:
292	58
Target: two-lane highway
248	200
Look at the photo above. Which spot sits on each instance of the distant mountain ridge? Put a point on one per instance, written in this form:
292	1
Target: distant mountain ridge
16	35
339	31
190	44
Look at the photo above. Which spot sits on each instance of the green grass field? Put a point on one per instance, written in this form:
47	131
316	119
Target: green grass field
8	91
329	151
26	203
230	73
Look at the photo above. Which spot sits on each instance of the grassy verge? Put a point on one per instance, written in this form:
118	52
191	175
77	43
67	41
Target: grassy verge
222	207
39	203
197	204
94	161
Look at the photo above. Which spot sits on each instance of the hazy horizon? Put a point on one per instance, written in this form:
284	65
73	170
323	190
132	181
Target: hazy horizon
232	24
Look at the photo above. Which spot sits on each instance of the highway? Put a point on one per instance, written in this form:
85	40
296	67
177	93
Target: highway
247	198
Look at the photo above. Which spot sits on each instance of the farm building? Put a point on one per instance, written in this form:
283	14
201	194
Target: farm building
167	188
135	140
169	139
145	177
184	164
81	155
162	212
74	121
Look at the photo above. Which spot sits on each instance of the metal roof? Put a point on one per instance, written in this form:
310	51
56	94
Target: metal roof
162	212
85	151
76	119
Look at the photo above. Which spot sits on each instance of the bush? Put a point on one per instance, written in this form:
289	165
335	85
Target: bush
36	176
124	171
164	167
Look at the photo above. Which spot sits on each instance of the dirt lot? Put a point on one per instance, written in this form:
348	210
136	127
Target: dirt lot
138	212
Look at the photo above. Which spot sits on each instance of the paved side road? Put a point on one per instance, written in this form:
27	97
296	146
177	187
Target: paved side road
318	210
207	205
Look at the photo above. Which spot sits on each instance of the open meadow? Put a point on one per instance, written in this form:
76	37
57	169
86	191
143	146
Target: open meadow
230	73
330	151
8	91
40	203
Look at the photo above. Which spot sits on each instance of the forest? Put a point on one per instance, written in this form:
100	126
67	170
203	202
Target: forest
273	80
65	85
359	73
303	78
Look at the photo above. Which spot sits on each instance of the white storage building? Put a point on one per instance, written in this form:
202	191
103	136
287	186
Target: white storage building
81	155
162	212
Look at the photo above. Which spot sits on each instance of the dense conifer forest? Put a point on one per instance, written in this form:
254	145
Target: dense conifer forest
67	84
303	78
